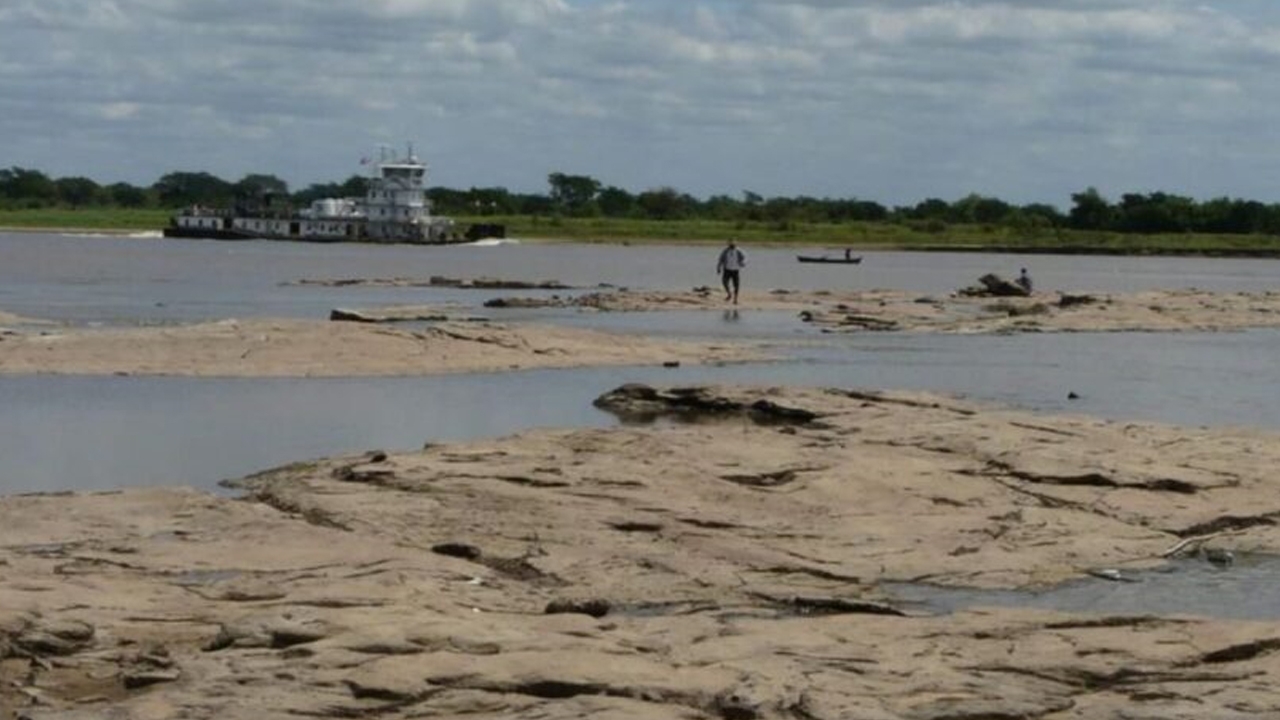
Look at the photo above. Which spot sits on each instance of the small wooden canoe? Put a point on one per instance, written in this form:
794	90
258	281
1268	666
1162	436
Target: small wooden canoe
829	259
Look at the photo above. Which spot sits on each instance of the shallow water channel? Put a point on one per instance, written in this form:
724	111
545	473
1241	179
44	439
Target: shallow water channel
1243	590
93	433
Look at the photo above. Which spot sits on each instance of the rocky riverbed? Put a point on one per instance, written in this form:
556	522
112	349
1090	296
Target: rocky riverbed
891	310
729	552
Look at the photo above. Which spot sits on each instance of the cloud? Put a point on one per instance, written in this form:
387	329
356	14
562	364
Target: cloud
891	101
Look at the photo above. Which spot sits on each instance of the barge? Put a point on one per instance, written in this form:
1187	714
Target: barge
394	209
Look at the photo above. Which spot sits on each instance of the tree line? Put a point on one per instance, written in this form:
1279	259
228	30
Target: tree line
584	196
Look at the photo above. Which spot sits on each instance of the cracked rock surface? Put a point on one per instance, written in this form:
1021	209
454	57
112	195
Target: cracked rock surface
726	559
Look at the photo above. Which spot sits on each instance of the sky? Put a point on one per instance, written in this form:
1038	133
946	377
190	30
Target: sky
893	101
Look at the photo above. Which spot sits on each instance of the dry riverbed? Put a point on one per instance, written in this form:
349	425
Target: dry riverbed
731	560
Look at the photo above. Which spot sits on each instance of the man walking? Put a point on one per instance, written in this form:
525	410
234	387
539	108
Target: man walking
730	267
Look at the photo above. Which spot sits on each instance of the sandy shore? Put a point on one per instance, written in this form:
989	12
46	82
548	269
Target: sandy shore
306	348
733	566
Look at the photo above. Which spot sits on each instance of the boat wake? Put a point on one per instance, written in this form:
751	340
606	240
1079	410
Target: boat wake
492	242
142	234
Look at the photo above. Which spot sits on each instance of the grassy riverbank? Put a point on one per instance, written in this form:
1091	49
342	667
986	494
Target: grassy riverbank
88	219
910	236
916	236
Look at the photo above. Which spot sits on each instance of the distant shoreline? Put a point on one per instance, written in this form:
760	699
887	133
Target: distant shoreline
569	233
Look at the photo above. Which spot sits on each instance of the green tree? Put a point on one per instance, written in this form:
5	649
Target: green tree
259	186
354	186
752	208
533	204
930	209
779	210
126	195
317	191
447	201
28	187
1090	211
722	207
574	195
491	201
1049	215
616	202
177	189
975	208
78	191
664	204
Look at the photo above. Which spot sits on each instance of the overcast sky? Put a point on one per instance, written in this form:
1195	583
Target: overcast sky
888	100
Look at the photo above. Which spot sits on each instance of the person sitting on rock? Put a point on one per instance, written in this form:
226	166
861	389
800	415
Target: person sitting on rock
1024	281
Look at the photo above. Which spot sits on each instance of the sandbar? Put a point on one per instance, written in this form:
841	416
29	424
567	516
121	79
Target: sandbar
895	310
312	348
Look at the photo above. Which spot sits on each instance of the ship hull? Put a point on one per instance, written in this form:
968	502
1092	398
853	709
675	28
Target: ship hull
205	234
209	233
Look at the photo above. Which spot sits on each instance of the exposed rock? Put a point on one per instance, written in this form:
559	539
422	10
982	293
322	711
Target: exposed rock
638	402
457	550
274	631
992	285
149	667
342	315
595	607
53	637
1066	300
515	302
486	283
719	569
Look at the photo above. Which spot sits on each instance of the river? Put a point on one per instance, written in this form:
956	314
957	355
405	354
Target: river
81	433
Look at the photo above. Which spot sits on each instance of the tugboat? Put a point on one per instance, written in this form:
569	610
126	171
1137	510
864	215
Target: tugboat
393	210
